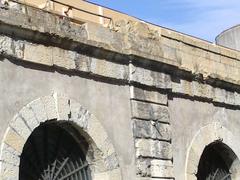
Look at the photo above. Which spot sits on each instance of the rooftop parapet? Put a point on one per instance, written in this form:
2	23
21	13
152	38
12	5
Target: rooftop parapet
125	40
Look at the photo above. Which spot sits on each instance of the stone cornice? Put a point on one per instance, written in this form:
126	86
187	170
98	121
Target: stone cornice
124	42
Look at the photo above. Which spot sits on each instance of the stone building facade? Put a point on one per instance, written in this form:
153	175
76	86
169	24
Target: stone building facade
127	102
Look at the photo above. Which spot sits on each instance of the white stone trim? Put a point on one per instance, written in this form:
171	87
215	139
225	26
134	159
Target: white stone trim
205	136
56	107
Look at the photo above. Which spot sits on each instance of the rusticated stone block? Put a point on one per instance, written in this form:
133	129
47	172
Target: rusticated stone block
237	98
155	168
151	78
202	90
161	169
63	58
143	167
150	111
219	95
151	129
82	63
5	45
109	69
10	47
206	91
151	96
101	67
153	148
169	53
104	37
230	98
183	87
42	54
49	56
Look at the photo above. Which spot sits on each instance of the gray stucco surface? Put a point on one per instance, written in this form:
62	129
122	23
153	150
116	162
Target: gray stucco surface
160	96
187	118
108	102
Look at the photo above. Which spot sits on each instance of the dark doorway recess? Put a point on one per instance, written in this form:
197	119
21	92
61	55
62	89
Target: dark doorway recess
55	151
215	162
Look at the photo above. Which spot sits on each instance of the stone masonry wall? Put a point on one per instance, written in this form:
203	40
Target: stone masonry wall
157	65
152	132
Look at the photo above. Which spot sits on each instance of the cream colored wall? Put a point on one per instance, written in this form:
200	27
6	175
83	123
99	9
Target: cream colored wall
82	16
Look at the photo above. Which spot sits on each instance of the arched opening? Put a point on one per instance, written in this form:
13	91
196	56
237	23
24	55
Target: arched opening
217	162
55	151
30	143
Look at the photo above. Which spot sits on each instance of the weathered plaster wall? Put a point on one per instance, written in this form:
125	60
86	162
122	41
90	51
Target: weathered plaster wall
108	102
154	91
187	118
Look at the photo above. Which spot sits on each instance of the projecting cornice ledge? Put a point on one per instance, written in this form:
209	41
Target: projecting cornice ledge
123	42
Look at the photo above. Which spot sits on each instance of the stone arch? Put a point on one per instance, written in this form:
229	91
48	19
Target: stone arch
205	136
57	107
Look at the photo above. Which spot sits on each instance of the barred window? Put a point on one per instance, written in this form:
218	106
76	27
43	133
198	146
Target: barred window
55	151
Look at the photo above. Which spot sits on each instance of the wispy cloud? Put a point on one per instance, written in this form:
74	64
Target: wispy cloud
205	19
201	18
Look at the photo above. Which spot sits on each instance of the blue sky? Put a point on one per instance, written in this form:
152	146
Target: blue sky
201	18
